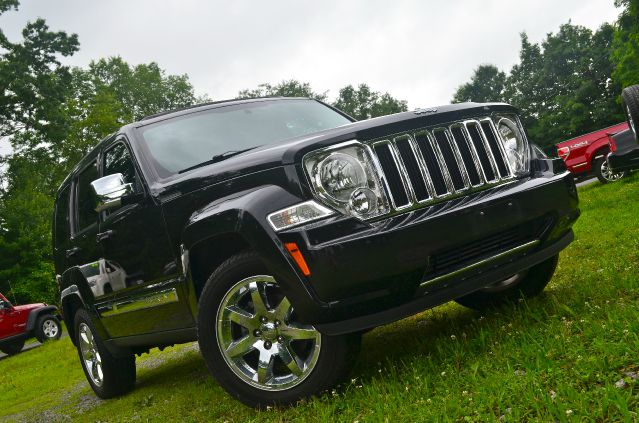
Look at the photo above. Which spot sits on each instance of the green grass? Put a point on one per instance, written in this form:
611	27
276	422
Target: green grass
568	355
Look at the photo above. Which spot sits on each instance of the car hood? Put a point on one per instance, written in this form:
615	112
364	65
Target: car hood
292	150
28	307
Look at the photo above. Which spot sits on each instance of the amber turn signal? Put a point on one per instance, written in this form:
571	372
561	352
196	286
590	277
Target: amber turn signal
298	257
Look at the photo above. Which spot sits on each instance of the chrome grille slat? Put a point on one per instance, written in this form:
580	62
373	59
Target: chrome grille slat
417	175
442	163
500	145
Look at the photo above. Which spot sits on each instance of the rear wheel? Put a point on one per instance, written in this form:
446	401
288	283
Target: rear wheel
109	376
13	348
48	328
630	100
253	343
526	284
603	172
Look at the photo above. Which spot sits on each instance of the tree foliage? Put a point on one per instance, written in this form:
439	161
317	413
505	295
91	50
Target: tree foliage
486	85
562	86
360	103
290	88
53	116
363	103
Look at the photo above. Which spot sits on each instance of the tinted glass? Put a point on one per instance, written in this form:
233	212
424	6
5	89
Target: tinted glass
62	227
118	160
179	143
86	207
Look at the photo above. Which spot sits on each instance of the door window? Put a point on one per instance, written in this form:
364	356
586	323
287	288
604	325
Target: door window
85	198
118	160
62	226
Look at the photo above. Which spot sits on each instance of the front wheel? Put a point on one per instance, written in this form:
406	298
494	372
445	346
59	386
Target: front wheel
108	376
526	284
13	348
48	328
603	172
253	343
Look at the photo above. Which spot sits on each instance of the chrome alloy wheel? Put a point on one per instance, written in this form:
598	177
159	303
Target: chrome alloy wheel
260	339
607	173
90	355
50	329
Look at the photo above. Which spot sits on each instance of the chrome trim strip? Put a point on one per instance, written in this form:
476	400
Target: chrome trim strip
153	299
520	248
582	164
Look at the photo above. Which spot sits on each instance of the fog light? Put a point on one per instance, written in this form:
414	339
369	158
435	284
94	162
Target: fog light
362	201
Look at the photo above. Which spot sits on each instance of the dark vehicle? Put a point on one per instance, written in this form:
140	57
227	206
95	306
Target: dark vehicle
624	147
276	231
20	322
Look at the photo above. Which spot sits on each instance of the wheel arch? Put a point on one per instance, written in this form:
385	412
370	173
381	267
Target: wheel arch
231	225
36	313
207	255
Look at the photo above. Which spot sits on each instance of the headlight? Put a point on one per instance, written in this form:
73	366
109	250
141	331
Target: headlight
344	178
515	144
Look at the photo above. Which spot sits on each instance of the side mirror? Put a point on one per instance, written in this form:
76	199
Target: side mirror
109	191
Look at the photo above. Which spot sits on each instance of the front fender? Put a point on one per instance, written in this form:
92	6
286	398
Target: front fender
74	285
35	313
244	214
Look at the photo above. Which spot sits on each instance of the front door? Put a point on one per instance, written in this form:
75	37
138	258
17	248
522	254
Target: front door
142	271
8	320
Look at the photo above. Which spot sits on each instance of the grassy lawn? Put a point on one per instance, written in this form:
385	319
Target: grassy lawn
569	355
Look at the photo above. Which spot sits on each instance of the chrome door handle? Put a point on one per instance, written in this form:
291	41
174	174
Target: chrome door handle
103	236
72	251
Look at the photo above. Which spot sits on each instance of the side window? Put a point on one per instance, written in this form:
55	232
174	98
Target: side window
118	160
62	225
84	197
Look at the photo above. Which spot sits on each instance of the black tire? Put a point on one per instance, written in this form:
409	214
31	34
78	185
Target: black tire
602	172
118	373
332	364
524	285
13	348
47	328
630	101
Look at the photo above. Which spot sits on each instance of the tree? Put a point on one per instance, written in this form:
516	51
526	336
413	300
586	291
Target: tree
290	88
562	86
32	79
626	44
363	103
486	85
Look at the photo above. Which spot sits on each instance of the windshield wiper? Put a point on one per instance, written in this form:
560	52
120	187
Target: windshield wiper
218	158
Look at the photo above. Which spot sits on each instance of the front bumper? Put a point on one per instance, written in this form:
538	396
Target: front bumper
367	274
624	160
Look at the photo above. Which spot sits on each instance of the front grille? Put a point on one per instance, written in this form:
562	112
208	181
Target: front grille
441	162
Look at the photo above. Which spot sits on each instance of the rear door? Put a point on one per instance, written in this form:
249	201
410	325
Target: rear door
82	250
144	279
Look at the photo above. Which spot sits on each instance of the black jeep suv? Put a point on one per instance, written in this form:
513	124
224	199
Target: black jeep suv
276	231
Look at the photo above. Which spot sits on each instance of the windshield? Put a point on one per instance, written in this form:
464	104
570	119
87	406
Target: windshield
185	141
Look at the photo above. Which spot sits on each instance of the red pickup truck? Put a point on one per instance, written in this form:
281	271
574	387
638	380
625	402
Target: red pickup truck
587	153
18	323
